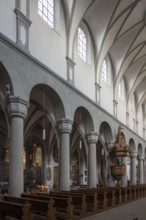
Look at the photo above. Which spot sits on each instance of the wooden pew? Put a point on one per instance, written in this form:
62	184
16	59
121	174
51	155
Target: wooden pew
90	197
78	201
18	211
63	206
39	207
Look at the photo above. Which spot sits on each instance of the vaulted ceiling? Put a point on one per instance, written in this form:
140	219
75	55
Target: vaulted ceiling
117	29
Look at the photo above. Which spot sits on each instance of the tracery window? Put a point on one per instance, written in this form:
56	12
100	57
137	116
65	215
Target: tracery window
46	11
104	72
121	89
82	44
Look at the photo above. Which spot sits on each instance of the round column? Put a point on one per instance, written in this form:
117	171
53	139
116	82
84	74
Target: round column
133	167
65	127
92	161
124	178
17	110
141	169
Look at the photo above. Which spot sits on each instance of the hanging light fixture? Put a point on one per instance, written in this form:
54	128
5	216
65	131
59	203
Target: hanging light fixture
44	130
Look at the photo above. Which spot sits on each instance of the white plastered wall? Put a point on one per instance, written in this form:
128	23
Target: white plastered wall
8	19
84	72
23	6
140	122
46	44
132	113
121	107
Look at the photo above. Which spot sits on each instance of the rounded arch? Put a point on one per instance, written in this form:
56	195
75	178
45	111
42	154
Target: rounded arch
47	99
105	132
140	149
46	108
132	145
84	120
6	87
82	125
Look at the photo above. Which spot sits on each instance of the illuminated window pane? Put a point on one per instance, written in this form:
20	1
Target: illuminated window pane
82	44
104	72
46	11
121	89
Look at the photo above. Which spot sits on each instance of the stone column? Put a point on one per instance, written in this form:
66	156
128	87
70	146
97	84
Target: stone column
133	167
65	126
124	178
141	169
92	160
17	110
110	179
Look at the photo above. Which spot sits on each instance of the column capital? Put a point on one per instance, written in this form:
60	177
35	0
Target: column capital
17	107
133	154
92	137
65	125
141	157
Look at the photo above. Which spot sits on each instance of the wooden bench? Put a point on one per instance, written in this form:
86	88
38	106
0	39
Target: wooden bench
15	210
39	207
78	201
89	200
63	206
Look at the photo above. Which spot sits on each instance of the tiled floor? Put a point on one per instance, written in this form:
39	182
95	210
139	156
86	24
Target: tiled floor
131	211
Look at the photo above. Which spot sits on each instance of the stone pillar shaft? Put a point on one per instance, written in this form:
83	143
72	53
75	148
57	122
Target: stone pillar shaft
65	126
16	179
124	178
17	110
92	161
133	168
141	169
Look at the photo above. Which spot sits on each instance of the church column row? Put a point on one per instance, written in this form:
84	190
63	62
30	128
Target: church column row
17	110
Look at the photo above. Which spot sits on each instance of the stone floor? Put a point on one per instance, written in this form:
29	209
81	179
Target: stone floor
131	211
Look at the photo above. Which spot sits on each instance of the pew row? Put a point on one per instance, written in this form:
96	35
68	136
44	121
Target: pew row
15	210
38	207
63	206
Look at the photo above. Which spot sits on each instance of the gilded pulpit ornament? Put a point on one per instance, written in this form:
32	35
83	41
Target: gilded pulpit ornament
120	149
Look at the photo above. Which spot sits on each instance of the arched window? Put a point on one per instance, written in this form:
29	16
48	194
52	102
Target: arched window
121	89
46	11
82	44
104	72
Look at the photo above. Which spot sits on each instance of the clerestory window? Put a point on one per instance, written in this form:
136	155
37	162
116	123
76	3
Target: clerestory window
46	11
82	44
104	72
121	90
